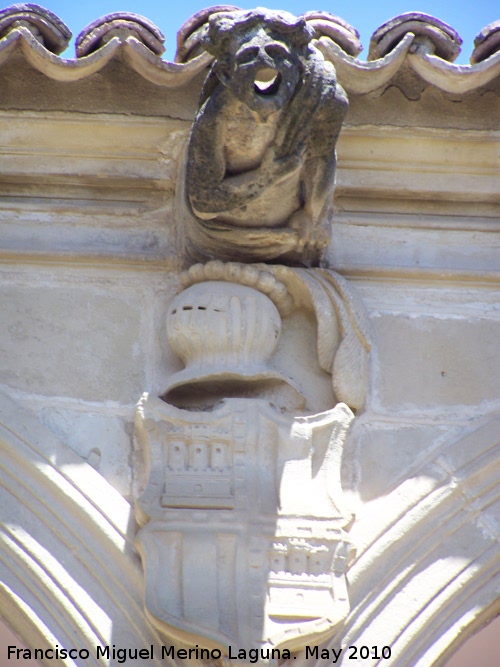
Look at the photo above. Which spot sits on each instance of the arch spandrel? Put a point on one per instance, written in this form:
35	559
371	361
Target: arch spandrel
432	576
70	573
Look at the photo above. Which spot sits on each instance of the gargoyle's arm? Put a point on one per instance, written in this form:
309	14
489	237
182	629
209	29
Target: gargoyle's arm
318	182
312	221
318	174
210	190
321	162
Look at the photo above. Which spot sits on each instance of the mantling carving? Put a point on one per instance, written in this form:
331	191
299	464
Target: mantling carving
244	526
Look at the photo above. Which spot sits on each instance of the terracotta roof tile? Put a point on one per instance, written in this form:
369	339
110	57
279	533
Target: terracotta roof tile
415	40
119	24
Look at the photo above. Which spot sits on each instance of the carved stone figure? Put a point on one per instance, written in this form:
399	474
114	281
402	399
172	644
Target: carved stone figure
261	158
225	337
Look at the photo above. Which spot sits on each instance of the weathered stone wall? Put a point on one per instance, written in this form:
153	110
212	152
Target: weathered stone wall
90	258
90	263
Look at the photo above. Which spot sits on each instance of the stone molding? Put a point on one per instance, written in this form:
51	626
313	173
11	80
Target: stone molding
438	564
387	191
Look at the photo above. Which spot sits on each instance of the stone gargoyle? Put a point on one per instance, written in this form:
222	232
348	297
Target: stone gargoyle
261	157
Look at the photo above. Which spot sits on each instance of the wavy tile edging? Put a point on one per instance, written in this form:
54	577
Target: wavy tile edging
364	77
139	57
358	77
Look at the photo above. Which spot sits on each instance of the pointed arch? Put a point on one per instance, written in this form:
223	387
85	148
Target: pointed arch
432	577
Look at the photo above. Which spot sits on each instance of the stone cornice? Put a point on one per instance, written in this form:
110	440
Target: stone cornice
113	174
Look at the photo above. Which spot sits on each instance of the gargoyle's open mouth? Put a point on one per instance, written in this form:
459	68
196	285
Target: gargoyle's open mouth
267	81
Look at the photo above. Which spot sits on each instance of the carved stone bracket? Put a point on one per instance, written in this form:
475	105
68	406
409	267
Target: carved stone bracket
243	536
243	521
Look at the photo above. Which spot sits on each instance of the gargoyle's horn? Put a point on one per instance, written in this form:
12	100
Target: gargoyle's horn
189	36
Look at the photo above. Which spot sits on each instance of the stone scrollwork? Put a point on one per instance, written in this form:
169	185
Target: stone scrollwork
244	525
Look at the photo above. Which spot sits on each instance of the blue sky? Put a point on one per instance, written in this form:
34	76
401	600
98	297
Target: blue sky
466	16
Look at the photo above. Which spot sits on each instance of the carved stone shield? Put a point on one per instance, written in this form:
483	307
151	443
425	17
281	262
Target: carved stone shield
243	539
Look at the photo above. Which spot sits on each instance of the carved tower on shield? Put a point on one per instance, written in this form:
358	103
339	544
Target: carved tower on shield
244	526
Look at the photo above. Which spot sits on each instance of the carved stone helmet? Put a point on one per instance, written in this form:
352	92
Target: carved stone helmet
225	334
